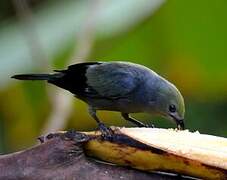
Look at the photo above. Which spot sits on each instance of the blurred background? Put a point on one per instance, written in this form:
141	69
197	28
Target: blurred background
184	41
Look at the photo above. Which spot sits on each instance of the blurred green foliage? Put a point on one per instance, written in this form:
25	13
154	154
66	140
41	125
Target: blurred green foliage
185	41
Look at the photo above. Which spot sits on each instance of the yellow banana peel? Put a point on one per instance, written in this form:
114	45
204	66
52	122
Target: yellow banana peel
166	150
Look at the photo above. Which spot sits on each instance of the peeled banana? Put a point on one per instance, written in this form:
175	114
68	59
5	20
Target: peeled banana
166	150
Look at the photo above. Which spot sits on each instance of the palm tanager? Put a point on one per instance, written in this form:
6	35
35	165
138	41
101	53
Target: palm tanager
118	86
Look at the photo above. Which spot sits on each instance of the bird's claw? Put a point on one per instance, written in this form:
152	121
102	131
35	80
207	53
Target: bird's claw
106	132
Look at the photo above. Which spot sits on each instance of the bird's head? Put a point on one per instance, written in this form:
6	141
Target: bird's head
170	103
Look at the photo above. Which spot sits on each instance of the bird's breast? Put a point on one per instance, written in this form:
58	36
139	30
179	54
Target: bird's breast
126	105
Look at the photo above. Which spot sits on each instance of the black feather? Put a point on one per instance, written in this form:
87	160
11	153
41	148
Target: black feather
74	79
32	76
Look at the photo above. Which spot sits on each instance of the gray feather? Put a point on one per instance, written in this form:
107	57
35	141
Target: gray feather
113	79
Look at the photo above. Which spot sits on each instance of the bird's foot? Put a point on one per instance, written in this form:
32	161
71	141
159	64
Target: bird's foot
105	131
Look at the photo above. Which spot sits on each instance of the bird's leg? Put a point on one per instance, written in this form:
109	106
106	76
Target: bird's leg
127	117
106	131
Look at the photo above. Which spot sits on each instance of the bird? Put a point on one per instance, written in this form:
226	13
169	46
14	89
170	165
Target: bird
119	86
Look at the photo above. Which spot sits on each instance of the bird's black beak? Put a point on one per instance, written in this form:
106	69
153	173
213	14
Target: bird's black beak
179	122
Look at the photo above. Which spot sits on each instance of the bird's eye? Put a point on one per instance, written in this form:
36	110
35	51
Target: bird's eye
172	108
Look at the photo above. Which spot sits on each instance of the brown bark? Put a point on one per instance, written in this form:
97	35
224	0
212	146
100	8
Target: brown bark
61	156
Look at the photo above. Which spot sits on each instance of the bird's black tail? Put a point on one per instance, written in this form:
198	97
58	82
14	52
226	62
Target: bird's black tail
34	76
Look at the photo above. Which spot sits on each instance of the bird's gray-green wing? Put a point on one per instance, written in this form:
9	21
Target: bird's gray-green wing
112	80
